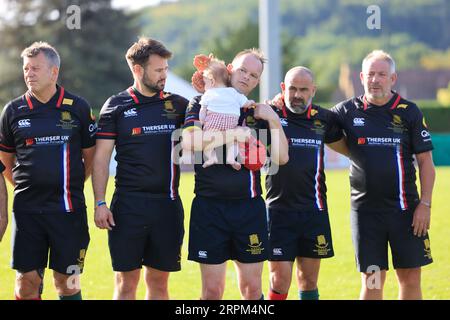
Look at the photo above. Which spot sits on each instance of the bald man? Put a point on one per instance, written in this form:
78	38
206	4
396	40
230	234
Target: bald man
299	227
228	215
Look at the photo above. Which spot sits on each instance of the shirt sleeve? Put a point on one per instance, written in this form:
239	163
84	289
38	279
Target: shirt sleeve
107	128
260	128
419	134
339	113
89	126
264	133
334	131
2	167
192	117
7	143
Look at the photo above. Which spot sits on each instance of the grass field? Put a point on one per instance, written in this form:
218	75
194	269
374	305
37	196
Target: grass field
338	278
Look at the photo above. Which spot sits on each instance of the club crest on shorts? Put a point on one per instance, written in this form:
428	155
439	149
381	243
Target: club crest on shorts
427	248
254	245
80	259
321	246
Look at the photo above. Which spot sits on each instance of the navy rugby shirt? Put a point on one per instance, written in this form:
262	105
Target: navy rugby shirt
300	184
221	180
142	127
382	141
48	140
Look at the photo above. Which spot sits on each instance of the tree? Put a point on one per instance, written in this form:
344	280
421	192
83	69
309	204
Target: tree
436	60
323	34
92	56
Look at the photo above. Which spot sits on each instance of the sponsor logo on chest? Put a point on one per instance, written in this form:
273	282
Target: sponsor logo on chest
155	129
24	123
358	122
302	142
130	113
379	141
46	140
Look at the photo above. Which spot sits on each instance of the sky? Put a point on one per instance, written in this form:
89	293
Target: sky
135	5
132	5
122	4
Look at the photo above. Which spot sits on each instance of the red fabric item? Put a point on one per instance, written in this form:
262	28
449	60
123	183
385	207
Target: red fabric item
253	154
276	296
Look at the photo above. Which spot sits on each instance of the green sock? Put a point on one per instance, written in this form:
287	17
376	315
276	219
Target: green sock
309	295
76	296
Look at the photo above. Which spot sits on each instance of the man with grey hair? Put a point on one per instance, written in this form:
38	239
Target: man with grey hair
380	54
299	226
384	132
47	142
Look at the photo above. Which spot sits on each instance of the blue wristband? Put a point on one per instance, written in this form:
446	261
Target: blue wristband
101	203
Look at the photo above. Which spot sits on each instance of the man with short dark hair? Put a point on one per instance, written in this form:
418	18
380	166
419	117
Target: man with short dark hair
145	222
384	132
47	142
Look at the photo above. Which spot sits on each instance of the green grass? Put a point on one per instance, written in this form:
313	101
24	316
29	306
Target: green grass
338	277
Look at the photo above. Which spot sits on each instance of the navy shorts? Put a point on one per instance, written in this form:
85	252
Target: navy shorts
299	234
373	231
65	235
149	231
223	229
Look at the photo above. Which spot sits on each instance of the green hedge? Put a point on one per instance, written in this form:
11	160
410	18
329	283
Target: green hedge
441	152
437	119
429	104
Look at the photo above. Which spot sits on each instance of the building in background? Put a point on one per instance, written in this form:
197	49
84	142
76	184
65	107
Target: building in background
414	84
